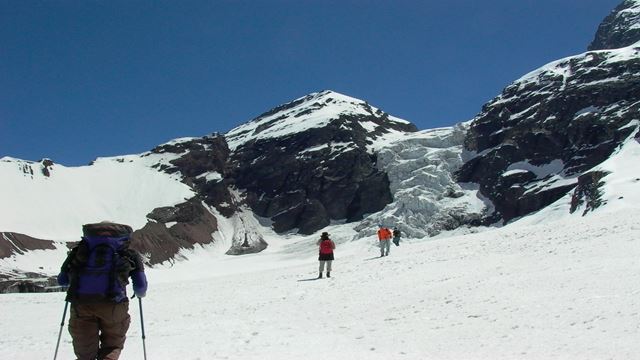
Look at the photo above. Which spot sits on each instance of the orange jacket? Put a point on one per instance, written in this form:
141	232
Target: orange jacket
384	234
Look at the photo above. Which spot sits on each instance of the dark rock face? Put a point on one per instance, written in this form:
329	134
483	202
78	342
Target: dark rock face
11	281
574	111
587	192
173	229
15	243
306	192
203	165
618	30
29	282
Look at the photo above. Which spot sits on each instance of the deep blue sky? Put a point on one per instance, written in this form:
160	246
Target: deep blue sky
82	79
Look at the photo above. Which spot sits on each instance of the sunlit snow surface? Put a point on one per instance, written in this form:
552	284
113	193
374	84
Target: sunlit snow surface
121	189
566	289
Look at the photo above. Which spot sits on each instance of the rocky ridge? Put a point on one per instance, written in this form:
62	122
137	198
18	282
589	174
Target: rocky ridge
530	145
619	29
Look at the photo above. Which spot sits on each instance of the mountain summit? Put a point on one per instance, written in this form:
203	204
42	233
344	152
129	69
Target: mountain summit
314	111
621	28
312	160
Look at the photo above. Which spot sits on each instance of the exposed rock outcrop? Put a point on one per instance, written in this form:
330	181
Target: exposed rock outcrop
46	166
587	194
14	243
173	229
204	164
620	29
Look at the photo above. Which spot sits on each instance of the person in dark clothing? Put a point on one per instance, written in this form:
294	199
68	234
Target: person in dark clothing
326	253
96	273
396	236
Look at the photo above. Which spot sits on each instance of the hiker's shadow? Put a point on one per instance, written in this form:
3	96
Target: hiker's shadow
309	279
373	258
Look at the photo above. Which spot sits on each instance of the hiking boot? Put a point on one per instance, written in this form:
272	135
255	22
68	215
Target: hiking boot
328	274
320	276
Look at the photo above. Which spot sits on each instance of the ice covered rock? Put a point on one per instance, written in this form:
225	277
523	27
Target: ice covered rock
427	199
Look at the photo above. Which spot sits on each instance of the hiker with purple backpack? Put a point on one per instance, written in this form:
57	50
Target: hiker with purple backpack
97	271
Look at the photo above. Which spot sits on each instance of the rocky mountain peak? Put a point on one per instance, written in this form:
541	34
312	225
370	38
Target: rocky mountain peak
310	161
313	111
620	28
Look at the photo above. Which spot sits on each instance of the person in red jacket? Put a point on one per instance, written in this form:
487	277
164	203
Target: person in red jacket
326	253
384	238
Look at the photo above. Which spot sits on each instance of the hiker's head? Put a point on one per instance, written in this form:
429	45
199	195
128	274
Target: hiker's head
324	236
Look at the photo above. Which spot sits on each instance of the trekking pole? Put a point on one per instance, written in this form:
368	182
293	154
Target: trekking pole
144	347
64	314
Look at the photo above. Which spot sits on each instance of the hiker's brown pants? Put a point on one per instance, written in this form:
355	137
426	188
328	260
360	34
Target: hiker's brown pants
99	330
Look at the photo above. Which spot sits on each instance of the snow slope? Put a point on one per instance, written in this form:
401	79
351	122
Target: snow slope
560	290
564	67
122	189
621	189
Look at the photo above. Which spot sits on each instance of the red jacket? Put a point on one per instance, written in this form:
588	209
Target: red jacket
384	234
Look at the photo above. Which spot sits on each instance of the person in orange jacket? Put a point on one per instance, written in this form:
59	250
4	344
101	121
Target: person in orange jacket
384	238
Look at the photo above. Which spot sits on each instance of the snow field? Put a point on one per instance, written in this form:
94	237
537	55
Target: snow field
558	290
53	207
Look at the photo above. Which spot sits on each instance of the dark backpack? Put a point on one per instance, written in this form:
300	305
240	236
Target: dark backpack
99	267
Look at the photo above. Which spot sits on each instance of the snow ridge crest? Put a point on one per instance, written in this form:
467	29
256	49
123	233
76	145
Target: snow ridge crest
314	110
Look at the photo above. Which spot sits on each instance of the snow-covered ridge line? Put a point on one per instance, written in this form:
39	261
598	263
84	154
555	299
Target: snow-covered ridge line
631	14
312	111
563	66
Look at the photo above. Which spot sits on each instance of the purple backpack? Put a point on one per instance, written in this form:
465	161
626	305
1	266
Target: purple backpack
100	267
